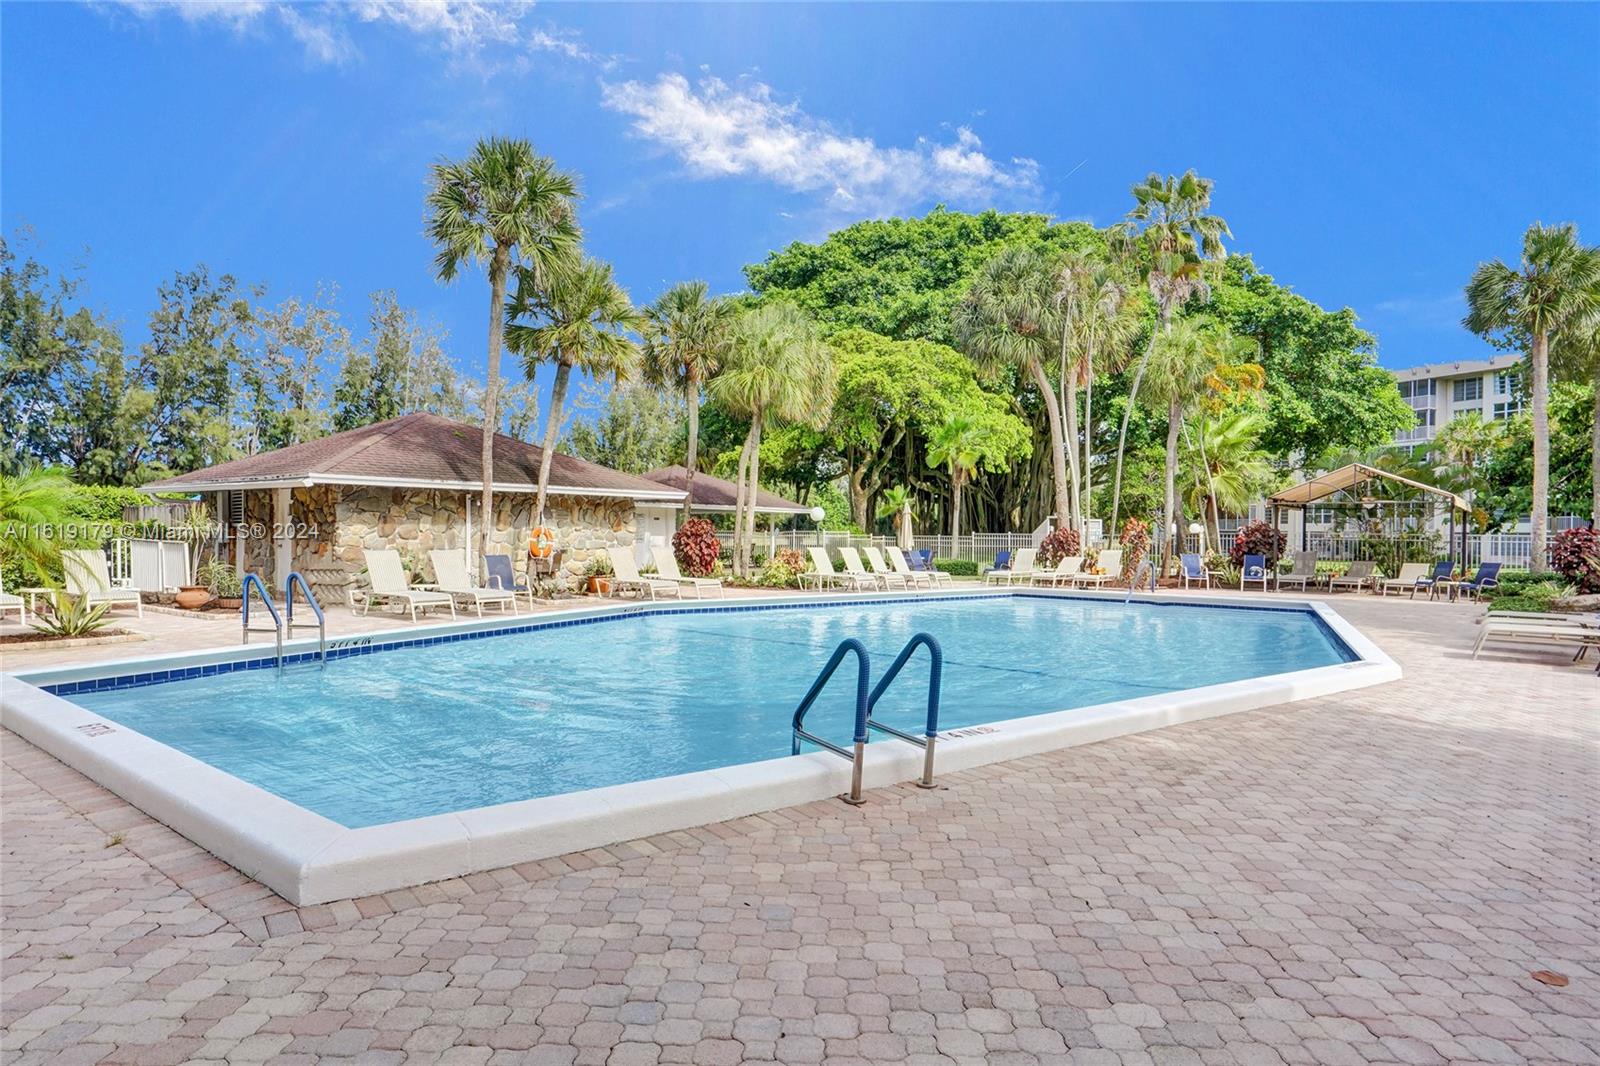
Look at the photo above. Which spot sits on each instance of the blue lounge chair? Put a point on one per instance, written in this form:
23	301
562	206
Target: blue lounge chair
1191	569
1002	561
1254	569
502	576
1488	577
1441	572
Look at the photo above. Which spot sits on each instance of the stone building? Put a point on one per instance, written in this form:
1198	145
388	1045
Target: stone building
414	484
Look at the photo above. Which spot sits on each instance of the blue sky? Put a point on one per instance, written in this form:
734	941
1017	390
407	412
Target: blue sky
1368	156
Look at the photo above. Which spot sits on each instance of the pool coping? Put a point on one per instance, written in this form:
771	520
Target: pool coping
308	858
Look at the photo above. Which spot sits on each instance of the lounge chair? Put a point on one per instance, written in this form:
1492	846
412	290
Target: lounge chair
1407	578
1002	564
921	563
451	578
1358	577
1254	569
1302	573
667	567
1512	627
1021	568
387	579
88	578
1193	571
625	575
852	565
503	577
12	602
883	571
1438	577
922	579
1064	572
822	573
1487	577
1110	566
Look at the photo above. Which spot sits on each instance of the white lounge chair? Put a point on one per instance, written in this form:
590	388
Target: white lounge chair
822	572
89	578
851	559
1065	572
1110	565
1358	577
926	579
11	602
667	567
625	575
450	577
1518	627
1302	573
1021	568
387	581
1405	581
883	571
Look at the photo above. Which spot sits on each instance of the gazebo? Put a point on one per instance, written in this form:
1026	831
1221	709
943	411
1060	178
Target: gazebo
1358	476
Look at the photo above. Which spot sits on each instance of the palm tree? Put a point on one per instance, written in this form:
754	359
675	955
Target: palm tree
503	206
1093	298
583	318
957	447
1554	290
895	504
37	508
1183	362
683	349
1173	239
1575	355
1009	320
1464	442
776	367
1225	469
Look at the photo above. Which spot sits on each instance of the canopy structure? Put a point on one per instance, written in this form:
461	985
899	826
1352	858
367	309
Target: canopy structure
1354	476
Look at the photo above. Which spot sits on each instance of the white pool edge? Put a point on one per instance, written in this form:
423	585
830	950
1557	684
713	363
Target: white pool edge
310	859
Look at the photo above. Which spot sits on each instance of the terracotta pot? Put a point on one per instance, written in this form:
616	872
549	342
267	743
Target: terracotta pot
192	597
600	585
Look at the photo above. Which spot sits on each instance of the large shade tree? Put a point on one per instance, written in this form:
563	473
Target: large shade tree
685	338
580	319
1551	292
502	206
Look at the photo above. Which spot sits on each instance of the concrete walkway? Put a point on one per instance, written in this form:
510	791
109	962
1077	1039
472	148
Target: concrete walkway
1372	877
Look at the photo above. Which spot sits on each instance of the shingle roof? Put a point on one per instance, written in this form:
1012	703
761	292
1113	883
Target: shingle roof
713	493
416	450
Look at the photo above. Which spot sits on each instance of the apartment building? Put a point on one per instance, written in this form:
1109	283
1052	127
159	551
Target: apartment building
1439	392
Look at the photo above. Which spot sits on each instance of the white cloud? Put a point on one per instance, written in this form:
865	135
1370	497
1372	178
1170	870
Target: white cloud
718	130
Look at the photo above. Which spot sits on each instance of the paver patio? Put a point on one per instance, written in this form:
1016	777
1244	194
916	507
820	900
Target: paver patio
1369	877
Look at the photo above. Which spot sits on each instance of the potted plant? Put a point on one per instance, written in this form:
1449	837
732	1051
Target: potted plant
223	580
192	597
599	574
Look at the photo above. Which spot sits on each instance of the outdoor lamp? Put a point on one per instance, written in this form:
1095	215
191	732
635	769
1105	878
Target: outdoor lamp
1196	528
817	514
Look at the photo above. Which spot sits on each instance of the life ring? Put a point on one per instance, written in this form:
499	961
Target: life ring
541	542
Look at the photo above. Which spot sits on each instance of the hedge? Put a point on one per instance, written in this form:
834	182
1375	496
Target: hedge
957	567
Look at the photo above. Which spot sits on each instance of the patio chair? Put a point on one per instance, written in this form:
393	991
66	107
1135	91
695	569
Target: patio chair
922	579
922	563
625	575
1302	573
1109	565
1193	571
1407	578
1021	568
387	581
88	578
1254	569
1487	577
822	573
852	565
667	567
883	571
12	602
1358	577
1002	563
1064	572
451	578
503	576
1440	574
1582	633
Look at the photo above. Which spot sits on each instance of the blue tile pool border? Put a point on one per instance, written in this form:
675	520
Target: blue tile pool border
347	647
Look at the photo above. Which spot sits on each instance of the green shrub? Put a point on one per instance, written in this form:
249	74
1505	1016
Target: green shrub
783	571
105	503
72	616
957	567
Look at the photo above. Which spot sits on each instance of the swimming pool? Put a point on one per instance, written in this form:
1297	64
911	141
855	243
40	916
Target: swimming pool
409	759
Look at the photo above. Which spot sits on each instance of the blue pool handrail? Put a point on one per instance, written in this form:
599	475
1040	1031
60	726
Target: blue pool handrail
321	623
931	726
847	646
253	581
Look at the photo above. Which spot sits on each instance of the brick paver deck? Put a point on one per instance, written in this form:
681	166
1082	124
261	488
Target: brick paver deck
1365	878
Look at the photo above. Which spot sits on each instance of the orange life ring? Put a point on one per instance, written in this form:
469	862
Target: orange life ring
541	542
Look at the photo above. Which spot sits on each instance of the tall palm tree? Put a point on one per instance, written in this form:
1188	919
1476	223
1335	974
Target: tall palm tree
1224	468
1172	238
1182	363
581	319
1553	291
503	206
1464	442
1009	320
957	447
776	366
686	337
1575	356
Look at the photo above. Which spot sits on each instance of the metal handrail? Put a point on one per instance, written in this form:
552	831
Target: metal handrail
931	727
321	623
1138	575
255	582
863	674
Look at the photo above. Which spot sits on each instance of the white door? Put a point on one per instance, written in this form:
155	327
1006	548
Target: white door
655	528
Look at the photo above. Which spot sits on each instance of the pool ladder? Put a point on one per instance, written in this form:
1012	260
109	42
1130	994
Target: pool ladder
866	701
253	582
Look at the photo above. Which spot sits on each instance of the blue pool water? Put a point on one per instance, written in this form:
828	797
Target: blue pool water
423	730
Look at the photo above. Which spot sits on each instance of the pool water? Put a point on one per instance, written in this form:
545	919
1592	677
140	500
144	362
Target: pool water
425	730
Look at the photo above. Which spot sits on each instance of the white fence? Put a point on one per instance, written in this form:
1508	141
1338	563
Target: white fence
1510	549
